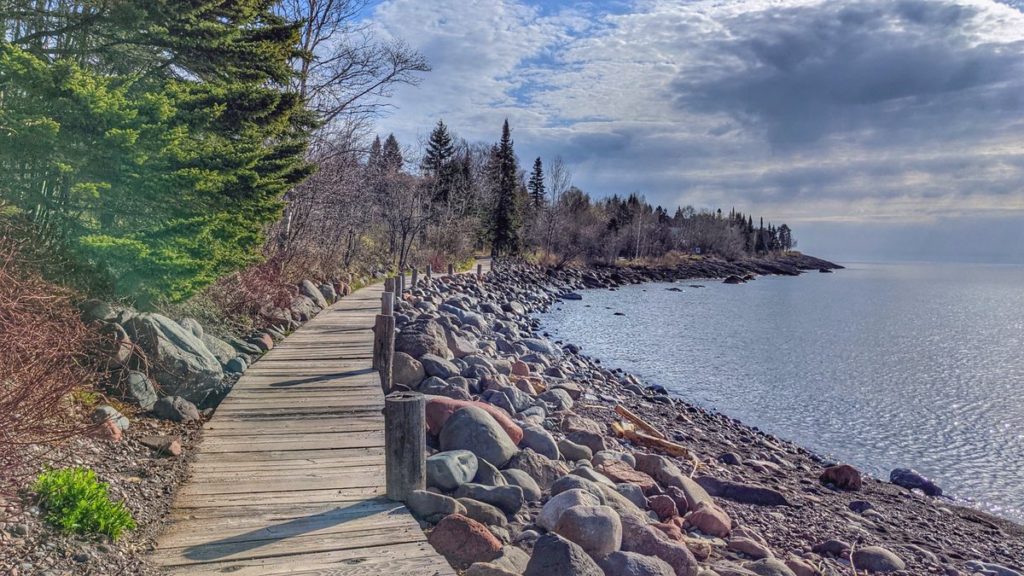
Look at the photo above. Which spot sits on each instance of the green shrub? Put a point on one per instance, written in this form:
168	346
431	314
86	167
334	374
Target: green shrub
76	501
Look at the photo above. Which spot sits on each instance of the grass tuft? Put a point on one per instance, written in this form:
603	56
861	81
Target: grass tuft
76	501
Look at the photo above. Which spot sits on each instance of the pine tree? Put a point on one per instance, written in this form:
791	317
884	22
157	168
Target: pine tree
151	141
505	221
536	185
391	156
440	150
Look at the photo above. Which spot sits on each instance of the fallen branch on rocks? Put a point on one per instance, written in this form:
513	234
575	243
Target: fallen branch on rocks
639	422
628	431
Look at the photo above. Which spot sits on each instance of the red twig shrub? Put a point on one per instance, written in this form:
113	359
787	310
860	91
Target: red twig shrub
250	293
43	358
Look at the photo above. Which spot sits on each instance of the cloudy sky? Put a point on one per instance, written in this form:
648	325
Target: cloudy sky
876	128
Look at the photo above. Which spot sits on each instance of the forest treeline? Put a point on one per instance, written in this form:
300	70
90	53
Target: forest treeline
156	150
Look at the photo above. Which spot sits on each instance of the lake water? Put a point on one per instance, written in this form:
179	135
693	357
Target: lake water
880	366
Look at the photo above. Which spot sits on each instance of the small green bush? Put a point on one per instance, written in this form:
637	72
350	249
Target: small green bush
76	501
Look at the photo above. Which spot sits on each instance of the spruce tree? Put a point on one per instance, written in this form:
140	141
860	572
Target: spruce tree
151	141
440	150
391	156
505	220
536	184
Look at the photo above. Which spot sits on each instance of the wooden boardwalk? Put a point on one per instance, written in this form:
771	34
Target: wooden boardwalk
289	478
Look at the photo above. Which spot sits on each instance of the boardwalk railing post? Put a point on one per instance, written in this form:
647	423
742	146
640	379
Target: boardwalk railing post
479	270
428	273
405	444
451	269
401	283
380	325
415	277
384	341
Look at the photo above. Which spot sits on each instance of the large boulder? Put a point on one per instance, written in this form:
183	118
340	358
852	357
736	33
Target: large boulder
515	477
558	504
407	370
540	441
175	409
434	365
439	409
877	559
459	345
463	541
710	519
454	389
643	538
769	567
422	337
220	349
912	479
137	388
179	362
432	507
303	308
554	555
743	493
472	428
597	529
449	470
309	290
509	499
843	477
542	469
633	564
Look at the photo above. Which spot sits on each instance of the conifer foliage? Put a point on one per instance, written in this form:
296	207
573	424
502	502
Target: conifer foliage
505	219
536	184
150	141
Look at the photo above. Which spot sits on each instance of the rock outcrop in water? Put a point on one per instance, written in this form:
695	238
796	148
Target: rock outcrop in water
706	496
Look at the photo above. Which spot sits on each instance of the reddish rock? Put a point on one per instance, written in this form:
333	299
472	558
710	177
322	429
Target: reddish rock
263	341
618	471
464	541
671	530
109	430
801	567
440	408
842	476
163	445
679	497
520	368
750	547
642	538
663	506
710	519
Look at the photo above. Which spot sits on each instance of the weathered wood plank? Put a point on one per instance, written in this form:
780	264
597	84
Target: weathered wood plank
289	478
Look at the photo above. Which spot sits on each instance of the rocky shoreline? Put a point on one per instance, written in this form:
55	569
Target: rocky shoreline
536	470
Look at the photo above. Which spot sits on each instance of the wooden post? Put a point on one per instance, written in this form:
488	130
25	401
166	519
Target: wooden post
479	270
415	277
451	269
405	444
401	283
384	341
380	328
428	273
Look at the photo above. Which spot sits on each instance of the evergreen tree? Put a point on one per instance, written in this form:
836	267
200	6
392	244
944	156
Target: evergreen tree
536	184
440	150
505	220
391	160
150	141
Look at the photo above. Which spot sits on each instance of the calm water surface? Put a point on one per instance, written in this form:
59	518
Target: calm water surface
881	366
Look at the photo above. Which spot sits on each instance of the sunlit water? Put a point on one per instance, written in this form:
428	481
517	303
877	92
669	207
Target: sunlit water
881	366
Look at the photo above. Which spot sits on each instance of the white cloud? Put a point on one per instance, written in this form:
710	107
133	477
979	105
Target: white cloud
899	110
